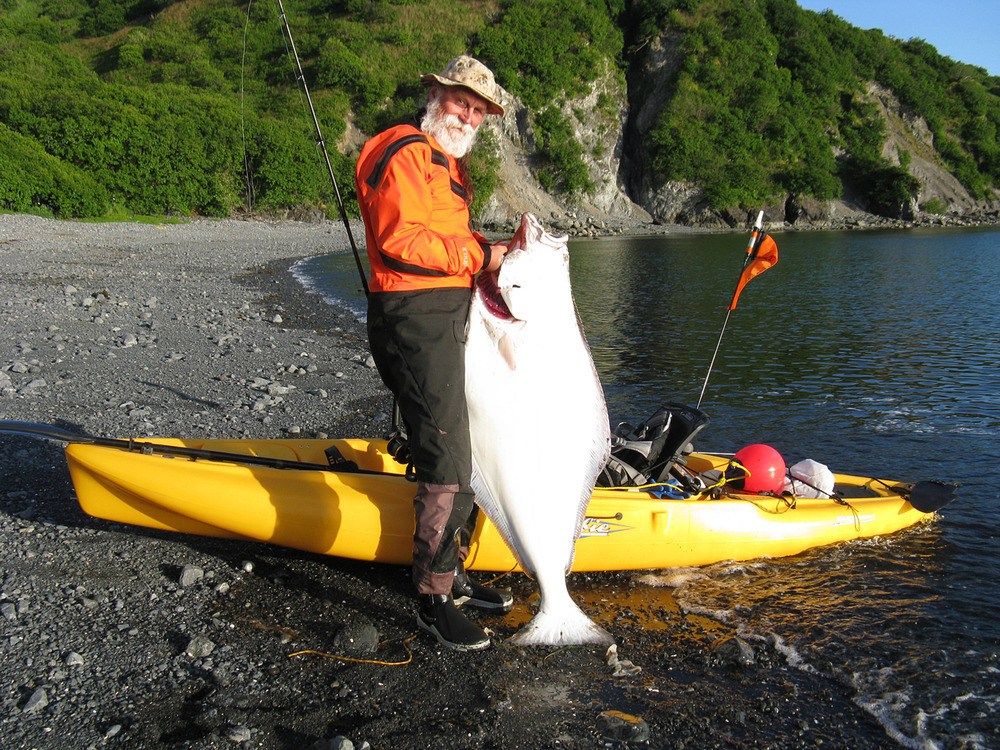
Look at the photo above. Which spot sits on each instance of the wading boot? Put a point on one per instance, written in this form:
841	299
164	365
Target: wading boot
439	616
467	592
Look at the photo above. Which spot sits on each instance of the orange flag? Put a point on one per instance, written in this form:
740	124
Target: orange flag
762	256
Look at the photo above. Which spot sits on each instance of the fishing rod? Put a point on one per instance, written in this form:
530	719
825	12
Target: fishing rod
59	434
755	238
397	420
326	154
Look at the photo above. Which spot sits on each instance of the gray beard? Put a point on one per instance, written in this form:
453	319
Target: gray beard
438	125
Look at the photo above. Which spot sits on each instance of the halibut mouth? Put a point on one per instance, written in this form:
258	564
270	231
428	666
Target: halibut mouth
492	299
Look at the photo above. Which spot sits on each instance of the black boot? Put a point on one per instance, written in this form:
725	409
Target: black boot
439	616
471	594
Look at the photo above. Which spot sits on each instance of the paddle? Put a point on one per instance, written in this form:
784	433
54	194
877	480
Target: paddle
927	496
35	429
931	495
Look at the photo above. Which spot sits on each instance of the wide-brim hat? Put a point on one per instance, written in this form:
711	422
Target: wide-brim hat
470	73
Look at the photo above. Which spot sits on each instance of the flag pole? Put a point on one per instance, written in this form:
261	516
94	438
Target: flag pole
754	239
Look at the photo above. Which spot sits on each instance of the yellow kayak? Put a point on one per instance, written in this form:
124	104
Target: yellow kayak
296	500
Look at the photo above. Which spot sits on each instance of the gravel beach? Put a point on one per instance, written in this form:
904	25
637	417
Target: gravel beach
117	636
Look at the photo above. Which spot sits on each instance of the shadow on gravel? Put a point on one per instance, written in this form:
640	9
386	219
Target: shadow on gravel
184	396
35	482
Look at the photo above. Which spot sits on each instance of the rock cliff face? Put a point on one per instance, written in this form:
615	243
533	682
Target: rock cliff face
599	120
908	132
612	121
668	201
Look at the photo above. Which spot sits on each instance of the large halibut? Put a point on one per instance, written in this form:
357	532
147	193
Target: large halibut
529	373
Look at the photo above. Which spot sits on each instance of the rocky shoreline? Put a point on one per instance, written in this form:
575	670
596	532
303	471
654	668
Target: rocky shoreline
582	226
115	636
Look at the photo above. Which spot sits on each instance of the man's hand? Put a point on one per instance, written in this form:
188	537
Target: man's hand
496	256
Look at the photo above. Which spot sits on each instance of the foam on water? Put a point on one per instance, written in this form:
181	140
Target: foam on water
880	639
316	275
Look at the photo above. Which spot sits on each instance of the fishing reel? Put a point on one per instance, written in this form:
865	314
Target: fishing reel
398	447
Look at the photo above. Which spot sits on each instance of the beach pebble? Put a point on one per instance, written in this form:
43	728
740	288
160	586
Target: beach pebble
734	652
38	700
199	647
336	743
622	727
238	733
190	575
356	639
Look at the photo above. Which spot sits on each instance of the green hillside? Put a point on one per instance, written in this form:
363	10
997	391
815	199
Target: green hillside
769	94
193	108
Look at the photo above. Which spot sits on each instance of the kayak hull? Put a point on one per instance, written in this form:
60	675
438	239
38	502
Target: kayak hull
369	517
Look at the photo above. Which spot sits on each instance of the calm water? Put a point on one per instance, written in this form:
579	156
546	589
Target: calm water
876	353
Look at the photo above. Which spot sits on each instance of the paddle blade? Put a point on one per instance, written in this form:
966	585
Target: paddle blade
39	430
763	256
931	495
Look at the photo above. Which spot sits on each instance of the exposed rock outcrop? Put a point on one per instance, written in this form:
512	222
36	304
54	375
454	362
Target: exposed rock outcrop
905	131
612	123
599	120
517	189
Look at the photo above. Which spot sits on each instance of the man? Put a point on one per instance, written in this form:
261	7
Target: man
414	196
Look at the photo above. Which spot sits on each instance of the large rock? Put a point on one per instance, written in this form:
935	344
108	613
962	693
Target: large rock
598	118
905	131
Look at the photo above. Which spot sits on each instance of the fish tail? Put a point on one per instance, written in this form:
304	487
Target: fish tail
566	625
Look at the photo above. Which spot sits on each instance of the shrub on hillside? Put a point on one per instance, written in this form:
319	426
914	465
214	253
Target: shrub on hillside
34	181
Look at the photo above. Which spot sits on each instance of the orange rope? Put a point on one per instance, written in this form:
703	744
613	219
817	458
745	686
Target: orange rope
409	656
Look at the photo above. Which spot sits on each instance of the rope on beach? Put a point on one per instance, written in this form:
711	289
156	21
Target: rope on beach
409	655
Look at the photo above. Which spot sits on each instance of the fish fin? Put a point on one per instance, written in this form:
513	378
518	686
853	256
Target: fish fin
506	348
561	626
486	500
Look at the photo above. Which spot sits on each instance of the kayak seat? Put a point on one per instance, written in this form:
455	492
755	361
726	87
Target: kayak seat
647	454
682	425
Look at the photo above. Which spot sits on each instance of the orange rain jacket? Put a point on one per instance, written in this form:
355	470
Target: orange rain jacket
415	213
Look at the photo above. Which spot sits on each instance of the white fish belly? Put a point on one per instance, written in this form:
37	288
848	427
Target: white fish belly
539	422
538	440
